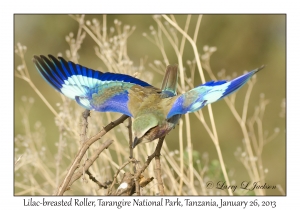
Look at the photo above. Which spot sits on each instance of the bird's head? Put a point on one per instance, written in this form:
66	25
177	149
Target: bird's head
141	125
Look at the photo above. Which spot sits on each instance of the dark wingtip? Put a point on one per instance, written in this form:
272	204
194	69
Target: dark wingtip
51	56
260	68
36	57
43	57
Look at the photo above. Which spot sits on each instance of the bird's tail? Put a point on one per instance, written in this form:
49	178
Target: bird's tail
169	83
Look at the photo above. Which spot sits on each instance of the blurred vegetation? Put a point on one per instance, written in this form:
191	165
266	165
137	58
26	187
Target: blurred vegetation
243	42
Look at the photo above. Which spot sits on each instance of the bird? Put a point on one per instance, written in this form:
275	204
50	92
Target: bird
155	112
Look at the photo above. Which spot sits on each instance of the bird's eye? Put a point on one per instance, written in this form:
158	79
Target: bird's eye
150	130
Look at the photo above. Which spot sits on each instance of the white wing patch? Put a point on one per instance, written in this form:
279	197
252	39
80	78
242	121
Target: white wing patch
196	106
78	85
216	93
84	102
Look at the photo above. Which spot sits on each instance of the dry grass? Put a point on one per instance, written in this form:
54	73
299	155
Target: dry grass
184	171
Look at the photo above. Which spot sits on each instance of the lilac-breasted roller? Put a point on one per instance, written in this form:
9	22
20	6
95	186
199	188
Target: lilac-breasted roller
155	112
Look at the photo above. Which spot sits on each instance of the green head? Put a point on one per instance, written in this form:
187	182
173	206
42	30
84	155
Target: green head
141	125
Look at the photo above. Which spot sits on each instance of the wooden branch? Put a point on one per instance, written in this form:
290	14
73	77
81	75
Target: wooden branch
144	181
84	125
65	184
156	153
95	180
158	175
117	173
127	185
130	137
89	162
131	184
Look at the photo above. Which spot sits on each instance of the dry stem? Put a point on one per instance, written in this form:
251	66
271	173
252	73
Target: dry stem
65	184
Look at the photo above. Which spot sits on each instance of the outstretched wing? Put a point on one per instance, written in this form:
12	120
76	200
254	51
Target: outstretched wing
94	90
207	93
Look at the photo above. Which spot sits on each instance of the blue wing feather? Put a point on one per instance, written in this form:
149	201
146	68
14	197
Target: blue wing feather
91	89
239	82
207	93
214	83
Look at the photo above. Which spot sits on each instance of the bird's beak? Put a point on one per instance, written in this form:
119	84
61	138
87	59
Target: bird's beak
136	141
